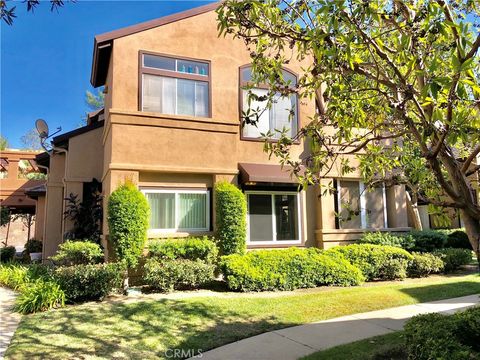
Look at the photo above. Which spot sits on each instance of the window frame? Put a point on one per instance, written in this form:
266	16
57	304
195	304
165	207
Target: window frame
242	84
274	230
207	228
142	70
363	214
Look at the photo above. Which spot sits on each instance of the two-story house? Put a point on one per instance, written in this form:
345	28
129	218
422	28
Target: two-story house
171	124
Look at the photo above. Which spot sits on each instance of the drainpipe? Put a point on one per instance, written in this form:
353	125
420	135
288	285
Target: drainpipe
44	235
61	150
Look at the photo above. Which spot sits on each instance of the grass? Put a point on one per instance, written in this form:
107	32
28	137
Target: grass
146	329
360	350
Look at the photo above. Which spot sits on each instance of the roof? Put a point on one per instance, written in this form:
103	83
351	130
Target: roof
266	174
62	140
36	191
102	47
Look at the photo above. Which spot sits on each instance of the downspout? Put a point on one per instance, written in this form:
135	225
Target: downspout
61	150
44	235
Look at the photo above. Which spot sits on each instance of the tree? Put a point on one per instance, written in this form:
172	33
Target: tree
31	141
3	143
7	14
95	101
405	72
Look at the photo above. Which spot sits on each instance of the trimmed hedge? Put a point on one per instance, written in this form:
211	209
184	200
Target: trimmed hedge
428	240
128	218
7	253
231	215
188	249
386	238
454	258
458	239
168	275
73	252
375	261
89	282
436	336
287	269
424	264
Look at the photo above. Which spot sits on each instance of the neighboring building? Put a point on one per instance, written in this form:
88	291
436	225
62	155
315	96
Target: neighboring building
19	173
171	124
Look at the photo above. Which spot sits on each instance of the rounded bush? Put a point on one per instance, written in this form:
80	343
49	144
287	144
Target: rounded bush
188	248
375	261
231	215
458	239
33	246
168	275
128	218
287	269
78	252
424	264
7	253
89	282
454	258
428	240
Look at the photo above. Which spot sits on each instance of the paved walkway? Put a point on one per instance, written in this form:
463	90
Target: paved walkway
8	319
298	341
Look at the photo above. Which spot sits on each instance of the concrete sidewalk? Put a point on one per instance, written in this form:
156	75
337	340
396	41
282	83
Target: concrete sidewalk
9	320
294	342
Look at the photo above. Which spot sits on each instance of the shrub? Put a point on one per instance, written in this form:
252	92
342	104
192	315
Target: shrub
436	336
39	296
15	276
33	246
458	239
231	215
7	253
424	264
128	217
454	258
428	240
78	252
189	249
90	281
287	269
168	275
375	261
385	238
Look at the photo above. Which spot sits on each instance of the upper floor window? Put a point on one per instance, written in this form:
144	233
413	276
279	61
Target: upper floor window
281	114
175	86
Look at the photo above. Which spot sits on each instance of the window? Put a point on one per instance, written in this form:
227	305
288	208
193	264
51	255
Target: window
175	86
3	168
184	210
273	217
281	115
359	207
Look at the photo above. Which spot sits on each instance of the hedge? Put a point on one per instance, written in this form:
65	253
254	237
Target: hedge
231	215
128	219
7	253
188	248
73	252
428	240
287	269
436	336
375	261
167	275
89	282
386	238
454	258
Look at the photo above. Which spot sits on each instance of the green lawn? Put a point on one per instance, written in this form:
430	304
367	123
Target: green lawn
361	350
146	329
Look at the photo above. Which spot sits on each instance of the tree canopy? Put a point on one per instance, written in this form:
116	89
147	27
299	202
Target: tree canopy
8	13
406	73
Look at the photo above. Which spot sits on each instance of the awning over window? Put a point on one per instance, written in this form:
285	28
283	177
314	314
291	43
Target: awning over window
262	173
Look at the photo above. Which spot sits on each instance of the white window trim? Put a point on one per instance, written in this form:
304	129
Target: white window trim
177	192
274	227
363	209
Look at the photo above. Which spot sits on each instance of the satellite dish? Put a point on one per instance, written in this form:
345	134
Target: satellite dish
42	128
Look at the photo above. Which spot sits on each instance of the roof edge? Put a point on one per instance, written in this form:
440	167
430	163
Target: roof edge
107	38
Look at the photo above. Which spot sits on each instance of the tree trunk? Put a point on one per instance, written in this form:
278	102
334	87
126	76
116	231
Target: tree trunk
472	227
417	222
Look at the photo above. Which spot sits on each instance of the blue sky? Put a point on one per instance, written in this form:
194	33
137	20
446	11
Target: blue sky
46	59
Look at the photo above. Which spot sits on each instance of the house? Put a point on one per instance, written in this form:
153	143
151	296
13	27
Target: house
171	124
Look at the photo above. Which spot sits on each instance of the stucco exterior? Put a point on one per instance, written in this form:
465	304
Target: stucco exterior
177	151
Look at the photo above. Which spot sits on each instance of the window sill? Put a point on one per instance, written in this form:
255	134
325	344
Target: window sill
156	234
274	245
273	141
357	231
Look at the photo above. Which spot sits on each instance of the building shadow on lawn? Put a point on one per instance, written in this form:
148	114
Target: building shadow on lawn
442	291
142	330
